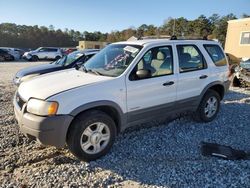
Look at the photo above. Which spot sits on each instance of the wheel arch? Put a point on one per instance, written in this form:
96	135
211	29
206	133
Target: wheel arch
217	86
110	108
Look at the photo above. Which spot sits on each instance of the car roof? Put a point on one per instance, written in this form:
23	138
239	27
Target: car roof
51	47
165	41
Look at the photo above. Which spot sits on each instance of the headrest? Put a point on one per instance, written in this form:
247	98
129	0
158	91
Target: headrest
186	57
160	56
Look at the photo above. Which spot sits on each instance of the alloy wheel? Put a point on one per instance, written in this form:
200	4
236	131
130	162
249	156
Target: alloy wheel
95	138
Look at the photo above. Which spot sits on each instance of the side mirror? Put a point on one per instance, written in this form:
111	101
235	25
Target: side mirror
143	73
78	65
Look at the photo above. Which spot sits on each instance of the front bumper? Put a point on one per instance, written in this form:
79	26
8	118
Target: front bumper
27	57
51	130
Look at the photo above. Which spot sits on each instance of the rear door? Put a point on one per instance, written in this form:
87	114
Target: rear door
52	53
193	74
219	69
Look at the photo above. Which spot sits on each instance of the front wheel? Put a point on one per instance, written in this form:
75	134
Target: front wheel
91	135
34	58
209	107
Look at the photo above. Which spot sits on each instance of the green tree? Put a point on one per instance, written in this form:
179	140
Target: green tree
220	29
244	15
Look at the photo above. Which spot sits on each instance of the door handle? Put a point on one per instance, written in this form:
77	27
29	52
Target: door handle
203	76
168	83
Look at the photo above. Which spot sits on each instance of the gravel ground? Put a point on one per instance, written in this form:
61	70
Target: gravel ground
161	153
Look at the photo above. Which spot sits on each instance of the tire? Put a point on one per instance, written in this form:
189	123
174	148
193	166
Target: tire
34	58
57	57
12	58
83	136
207	112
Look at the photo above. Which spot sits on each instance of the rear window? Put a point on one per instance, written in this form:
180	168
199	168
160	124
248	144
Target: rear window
216	54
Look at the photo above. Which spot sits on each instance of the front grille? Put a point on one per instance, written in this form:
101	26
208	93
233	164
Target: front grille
19	101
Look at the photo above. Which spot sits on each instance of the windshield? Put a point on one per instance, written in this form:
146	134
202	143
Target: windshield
113	60
70	58
38	49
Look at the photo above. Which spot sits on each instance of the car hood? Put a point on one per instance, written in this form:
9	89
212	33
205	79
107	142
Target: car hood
36	69
44	86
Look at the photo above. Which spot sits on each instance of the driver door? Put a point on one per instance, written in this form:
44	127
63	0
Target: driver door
152	96
42	53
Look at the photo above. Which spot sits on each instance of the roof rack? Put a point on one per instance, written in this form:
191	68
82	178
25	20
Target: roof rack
173	37
154	37
191	38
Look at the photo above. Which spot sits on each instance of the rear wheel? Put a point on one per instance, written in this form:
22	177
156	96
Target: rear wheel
209	107
57	57
91	135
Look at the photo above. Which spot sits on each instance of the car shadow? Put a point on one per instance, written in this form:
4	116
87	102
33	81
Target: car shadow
233	95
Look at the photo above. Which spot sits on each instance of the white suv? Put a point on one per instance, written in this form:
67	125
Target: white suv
125	84
43	53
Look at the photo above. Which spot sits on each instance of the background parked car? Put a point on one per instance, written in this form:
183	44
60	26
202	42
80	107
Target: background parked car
72	60
242	74
20	51
5	56
233	62
43	53
12	52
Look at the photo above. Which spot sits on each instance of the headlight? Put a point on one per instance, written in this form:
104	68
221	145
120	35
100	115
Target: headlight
42	108
17	80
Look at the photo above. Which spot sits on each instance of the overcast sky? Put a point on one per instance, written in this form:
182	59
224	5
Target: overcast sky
107	15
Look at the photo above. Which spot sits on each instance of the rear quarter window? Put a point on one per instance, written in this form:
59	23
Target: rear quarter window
216	54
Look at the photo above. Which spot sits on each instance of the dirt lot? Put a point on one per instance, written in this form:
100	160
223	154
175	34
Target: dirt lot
158	154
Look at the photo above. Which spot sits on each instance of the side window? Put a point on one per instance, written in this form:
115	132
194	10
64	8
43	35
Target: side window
216	54
190	58
159	62
52	50
43	50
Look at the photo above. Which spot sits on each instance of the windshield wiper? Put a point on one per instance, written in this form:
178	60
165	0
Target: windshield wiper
90	70
94	71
